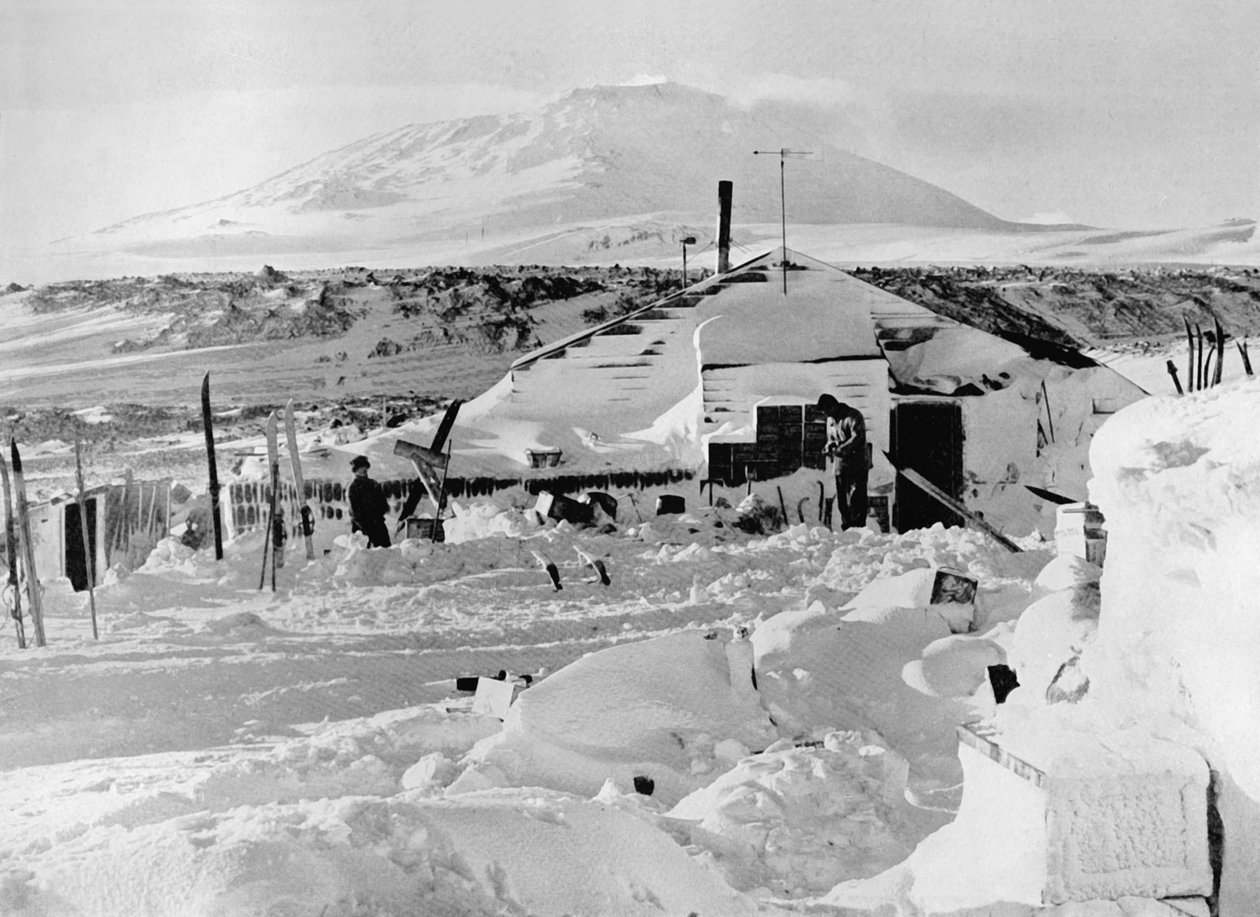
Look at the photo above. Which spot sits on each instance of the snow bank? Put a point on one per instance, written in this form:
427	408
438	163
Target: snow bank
796	819
376	856
1178	480
654	710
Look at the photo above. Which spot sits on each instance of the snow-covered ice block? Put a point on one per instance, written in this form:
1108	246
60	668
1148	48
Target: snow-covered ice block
1127	818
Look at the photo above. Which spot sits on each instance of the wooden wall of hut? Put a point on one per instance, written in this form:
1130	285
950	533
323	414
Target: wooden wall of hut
137	517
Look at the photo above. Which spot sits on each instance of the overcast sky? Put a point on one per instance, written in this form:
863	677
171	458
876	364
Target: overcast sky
1110	112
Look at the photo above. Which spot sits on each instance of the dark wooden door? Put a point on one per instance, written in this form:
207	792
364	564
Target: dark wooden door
76	560
928	437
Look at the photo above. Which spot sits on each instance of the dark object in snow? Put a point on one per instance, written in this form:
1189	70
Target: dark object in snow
607	503
552	570
466	683
563	509
1050	495
644	786
667	504
1003	680
208	425
596	564
554	573
952	587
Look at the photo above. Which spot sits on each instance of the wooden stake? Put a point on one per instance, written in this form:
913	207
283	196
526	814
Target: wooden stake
1198	360
1220	352
1242	351
1189	355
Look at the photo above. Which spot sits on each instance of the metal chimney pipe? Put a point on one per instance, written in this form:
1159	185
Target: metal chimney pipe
724	227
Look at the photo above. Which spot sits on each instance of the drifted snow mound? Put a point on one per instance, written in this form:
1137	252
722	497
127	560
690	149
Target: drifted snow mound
482	520
817	671
676	709
795	821
1051	633
909	593
954	666
365	856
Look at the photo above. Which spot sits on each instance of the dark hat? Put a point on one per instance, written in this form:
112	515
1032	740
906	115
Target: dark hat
827	402
359	461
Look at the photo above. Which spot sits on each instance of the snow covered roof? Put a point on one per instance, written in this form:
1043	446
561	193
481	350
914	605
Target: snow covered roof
644	390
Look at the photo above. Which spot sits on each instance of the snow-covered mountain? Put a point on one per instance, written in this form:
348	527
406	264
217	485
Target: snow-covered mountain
601	175
601	153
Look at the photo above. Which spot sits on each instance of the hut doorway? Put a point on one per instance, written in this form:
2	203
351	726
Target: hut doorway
76	560
928	437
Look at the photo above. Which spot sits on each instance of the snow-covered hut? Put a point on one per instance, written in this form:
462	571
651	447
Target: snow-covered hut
123	520
718	382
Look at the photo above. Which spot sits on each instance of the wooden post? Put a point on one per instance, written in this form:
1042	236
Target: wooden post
1220	353
1189	355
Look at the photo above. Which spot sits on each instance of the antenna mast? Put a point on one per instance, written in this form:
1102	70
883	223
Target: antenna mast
783	154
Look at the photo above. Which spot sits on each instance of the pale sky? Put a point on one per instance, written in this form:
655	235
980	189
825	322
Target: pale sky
1109	112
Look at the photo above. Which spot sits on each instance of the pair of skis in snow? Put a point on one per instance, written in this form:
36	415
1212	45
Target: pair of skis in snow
20	547
276	534
277	531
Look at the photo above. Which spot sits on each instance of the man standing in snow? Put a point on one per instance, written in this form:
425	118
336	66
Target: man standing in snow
368	505
846	445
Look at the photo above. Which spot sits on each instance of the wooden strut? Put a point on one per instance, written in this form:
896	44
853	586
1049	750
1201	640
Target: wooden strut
437	513
1242	352
974	518
1049	420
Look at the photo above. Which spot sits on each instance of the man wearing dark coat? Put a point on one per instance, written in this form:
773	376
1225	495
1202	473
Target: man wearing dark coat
368	505
846	446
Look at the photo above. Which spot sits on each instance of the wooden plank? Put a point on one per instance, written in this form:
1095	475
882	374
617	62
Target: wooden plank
974	518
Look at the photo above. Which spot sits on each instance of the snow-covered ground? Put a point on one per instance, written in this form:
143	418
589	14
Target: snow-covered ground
737	724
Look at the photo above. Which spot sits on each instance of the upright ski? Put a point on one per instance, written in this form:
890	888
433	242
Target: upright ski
275	525
214	473
307	518
88	556
10	539
28	546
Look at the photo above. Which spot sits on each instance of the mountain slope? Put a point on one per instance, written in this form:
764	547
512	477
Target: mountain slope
596	154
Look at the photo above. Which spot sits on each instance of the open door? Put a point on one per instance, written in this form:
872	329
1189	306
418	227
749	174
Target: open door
928	437
76	560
